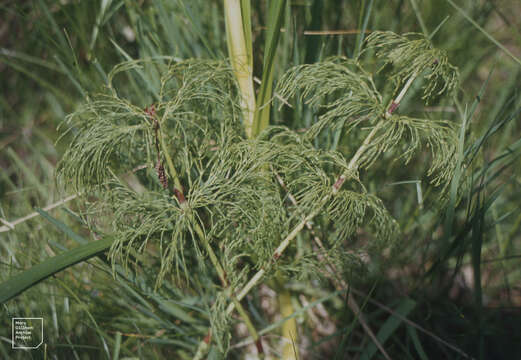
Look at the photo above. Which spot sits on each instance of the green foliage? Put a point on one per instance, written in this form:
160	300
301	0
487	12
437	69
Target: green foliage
412	55
349	210
229	184
407	135
349	90
106	129
194	96
345	96
157	293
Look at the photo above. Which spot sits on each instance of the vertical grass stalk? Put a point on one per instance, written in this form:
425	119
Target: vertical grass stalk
238	34
262	112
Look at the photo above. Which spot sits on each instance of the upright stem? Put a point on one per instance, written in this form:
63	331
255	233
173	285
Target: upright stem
241	59
170	163
289	327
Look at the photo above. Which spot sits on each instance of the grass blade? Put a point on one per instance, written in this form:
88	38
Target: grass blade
449	218
28	174
477	244
262	112
117	346
23	281
105	4
419	17
484	32
416	342
389	327
62	227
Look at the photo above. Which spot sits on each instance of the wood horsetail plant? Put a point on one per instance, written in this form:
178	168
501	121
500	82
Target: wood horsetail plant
224	199
210	176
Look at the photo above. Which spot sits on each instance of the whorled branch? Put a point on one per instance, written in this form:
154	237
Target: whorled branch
414	54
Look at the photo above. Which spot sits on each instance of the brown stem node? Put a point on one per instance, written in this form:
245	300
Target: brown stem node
258	344
150	111
208	337
393	107
339	182
161	174
180	196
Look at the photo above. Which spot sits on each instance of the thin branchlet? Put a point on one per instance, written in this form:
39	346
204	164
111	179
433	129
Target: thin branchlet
413	53
338	88
406	136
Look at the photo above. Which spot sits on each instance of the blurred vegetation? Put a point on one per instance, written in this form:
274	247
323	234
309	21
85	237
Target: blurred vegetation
455	275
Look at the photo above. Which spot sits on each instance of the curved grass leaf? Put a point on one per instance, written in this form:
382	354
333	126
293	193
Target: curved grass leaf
23	281
390	326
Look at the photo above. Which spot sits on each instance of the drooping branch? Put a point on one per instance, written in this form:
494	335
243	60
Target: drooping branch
353	164
332	274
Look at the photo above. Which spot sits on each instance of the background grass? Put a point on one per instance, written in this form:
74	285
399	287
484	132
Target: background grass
456	273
